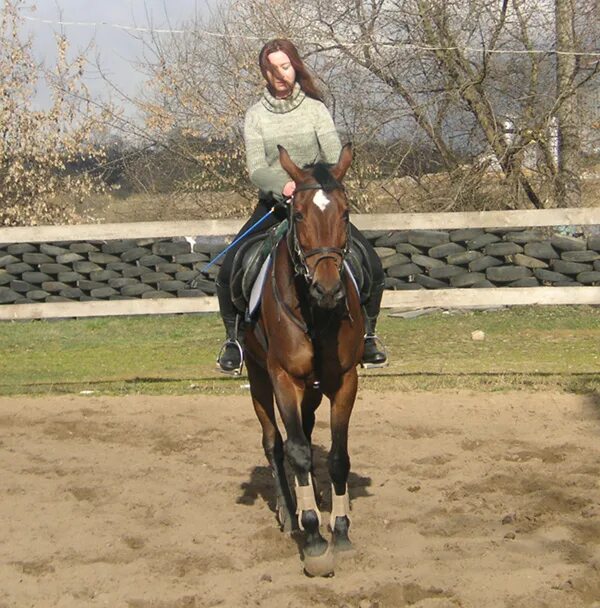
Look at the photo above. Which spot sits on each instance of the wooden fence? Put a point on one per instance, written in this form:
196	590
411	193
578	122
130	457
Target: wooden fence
450	298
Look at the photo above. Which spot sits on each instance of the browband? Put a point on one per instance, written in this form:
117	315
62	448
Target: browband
317	186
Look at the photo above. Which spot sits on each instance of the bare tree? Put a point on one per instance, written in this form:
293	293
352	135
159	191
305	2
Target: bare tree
567	179
199	87
477	64
476	84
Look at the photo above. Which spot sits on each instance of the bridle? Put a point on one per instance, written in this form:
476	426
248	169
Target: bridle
299	256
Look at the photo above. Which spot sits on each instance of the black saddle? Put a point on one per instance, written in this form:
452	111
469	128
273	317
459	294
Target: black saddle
357	260
253	253
248	261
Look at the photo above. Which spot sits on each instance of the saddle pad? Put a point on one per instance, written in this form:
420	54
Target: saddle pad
248	262
256	292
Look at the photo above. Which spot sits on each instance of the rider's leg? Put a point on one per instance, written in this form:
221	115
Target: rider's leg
373	354
230	358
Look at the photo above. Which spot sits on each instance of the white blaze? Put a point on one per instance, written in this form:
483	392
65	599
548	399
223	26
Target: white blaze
321	200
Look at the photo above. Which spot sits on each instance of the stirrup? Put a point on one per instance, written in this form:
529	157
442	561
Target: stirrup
238	370
381	346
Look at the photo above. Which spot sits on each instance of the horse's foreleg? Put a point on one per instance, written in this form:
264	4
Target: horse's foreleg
310	403
262	397
318	560
342	402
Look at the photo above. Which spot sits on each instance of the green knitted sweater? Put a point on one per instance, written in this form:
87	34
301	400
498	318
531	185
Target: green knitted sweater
302	125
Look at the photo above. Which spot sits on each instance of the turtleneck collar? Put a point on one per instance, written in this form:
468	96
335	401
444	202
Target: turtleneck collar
281	106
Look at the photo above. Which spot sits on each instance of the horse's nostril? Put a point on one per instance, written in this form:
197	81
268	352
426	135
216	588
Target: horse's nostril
318	289
338	292
328	296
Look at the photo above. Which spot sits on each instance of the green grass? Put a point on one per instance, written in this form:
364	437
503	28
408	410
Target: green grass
524	348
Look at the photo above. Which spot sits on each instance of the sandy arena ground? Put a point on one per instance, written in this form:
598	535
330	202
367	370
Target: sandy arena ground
459	500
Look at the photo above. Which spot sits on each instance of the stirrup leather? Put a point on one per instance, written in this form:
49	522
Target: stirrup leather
238	370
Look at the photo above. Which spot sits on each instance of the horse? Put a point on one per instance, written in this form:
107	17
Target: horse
306	343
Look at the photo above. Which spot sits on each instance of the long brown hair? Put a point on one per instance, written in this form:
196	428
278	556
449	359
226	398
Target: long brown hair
303	77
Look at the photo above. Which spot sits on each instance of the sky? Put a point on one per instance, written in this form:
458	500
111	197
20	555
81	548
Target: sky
116	49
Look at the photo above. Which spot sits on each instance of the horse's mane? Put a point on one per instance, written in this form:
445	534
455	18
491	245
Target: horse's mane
321	172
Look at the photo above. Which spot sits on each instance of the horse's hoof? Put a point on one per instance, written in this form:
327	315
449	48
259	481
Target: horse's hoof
342	544
339	536
320	565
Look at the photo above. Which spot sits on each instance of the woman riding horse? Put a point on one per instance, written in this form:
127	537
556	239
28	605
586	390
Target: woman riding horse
291	113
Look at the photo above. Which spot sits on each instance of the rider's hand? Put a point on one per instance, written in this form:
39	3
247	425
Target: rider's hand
288	189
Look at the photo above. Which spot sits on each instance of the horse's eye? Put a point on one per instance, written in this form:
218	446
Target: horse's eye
298	217
346	215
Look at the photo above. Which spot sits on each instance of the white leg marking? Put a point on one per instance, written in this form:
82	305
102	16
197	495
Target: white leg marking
340	506
305	500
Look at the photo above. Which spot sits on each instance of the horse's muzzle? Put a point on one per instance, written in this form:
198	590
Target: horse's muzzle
327	297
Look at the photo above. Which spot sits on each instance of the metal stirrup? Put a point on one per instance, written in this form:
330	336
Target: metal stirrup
238	370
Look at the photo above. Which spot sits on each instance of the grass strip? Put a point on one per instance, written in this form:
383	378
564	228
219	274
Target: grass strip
550	348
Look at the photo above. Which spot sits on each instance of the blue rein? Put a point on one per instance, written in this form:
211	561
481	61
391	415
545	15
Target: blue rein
238	239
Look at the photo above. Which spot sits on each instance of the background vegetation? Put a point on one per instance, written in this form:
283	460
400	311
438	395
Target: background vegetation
451	105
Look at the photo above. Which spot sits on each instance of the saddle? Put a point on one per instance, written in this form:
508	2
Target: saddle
253	259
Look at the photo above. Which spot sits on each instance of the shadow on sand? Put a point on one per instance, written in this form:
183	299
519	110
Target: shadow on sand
261	483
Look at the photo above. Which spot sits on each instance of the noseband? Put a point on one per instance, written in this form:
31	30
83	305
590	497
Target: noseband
300	257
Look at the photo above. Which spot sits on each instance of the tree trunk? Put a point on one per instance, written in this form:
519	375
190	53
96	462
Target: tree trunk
568	186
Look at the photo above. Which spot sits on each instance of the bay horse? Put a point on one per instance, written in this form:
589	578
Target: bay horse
307	343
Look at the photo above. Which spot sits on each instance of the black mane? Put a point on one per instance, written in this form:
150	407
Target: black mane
321	172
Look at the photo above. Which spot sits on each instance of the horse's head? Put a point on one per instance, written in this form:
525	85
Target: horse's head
319	225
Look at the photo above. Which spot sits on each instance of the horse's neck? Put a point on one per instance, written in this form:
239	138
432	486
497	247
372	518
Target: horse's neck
291	293
284	274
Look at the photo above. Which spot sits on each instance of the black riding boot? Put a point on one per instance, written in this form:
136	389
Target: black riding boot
231	355
374	354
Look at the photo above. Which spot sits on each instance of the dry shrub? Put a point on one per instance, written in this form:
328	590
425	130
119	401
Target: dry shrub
39	147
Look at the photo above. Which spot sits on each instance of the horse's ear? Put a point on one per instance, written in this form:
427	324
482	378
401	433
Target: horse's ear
289	166
339	170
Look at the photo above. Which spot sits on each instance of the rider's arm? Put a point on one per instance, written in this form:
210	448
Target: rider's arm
329	140
268	179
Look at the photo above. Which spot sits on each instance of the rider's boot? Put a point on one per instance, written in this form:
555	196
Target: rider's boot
231	355
374	354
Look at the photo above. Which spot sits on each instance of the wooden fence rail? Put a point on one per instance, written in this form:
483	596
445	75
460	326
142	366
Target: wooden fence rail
385	222
422	298
379	221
